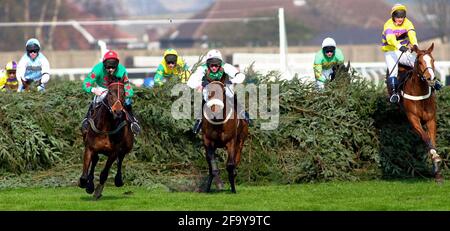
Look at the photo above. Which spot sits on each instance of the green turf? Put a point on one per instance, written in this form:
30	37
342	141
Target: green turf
332	196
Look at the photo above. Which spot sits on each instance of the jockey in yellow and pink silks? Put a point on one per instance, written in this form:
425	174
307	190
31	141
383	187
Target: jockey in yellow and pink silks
171	66
398	34
8	79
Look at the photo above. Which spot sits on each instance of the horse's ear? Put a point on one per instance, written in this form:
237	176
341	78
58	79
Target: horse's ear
348	65
430	49
415	48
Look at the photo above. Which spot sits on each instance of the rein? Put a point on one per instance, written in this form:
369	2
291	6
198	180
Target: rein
121	125
421	76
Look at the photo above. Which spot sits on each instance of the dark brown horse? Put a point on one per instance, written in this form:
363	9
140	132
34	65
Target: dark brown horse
109	133
222	129
418	100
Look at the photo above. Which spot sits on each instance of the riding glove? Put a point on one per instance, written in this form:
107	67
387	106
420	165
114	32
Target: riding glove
403	49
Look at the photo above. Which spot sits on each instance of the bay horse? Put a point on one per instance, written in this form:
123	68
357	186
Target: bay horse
418	100
222	129
109	133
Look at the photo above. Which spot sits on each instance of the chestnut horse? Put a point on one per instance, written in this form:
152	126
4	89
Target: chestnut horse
418	100
222	129
109	133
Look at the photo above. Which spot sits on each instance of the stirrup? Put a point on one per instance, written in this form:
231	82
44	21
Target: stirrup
84	125
135	128
395	98
197	126
437	86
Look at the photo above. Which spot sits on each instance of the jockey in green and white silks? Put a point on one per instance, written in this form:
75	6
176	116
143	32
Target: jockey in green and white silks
95	83
214	68
325	59
33	66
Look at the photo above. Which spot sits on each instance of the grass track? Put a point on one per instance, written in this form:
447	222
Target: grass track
405	195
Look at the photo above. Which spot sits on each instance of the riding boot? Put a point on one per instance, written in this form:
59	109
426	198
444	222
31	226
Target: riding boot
244	114
198	122
197	126
41	88
135	127
85	122
437	85
392	83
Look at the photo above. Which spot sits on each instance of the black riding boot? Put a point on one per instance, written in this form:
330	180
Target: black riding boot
244	114
85	122
135	127
393	84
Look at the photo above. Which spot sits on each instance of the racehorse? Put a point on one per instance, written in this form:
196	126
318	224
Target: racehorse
222	129
109	133
418	101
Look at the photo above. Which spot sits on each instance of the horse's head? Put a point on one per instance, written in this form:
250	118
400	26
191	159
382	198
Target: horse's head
216	96
116	96
424	65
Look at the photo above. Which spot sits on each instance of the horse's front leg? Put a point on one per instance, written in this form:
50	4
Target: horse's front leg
104	175
212	166
231	164
118	179
436	159
87	158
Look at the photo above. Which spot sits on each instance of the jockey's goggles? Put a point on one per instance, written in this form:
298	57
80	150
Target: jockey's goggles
11	72
111	64
214	65
399	14
171	59
329	49
32	48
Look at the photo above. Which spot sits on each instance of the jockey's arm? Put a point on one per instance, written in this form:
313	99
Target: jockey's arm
159	75
233	72
45	70
412	36
391	39
129	92
318	59
195	80
21	68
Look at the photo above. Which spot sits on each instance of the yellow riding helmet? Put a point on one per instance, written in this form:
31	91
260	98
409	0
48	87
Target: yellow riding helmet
11	66
398	7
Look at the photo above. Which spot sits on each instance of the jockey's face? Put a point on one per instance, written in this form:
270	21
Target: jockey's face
33	54
171	65
399	21
214	67
11	74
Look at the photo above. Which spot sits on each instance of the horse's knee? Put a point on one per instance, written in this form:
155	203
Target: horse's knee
215	172
231	168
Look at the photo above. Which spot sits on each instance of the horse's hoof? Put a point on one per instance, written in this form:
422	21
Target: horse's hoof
90	188
439	178
98	191
82	183
118	182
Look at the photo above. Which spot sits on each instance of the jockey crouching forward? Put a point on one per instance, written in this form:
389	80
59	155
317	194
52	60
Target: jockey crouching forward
214	69
99	74
398	34
33	66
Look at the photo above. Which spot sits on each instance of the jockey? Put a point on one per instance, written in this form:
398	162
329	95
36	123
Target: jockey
8	79
215	67
325	62
110	66
398	34
171	66
33	66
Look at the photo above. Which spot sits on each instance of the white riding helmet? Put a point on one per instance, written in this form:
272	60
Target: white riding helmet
328	42
214	54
